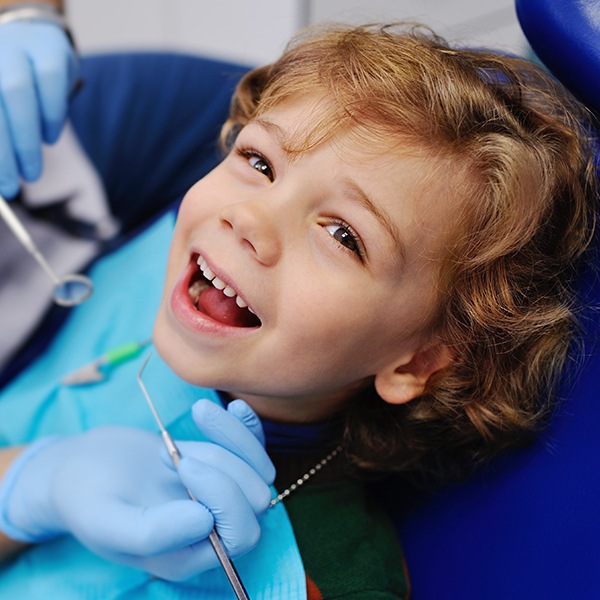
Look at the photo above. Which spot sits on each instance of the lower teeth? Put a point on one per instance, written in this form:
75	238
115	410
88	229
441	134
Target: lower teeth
194	292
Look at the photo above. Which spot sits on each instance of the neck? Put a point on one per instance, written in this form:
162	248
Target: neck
301	409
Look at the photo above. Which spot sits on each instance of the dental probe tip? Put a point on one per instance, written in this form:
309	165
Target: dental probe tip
147	395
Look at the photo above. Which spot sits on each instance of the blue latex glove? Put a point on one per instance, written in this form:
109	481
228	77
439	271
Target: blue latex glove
115	491
37	71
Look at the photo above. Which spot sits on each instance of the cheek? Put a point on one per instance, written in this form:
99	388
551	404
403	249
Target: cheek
197	206
367	329
191	206
335	326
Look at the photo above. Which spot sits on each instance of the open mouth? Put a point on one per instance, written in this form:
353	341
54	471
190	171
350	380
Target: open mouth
218	300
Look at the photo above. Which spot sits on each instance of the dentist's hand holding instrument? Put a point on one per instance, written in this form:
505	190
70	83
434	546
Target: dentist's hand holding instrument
38	68
116	491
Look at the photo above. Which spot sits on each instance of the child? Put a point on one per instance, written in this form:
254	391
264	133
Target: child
382	268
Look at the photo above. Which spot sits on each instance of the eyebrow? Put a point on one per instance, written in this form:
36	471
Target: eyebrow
384	219
269	126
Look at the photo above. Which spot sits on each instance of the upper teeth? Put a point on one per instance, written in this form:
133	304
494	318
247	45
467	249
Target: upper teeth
219	283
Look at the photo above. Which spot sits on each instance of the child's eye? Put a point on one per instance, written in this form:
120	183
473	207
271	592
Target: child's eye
261	165
347	237
258	162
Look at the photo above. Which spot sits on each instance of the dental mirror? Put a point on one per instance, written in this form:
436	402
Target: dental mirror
69	290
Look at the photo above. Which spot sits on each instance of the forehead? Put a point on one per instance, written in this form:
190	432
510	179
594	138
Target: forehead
302	124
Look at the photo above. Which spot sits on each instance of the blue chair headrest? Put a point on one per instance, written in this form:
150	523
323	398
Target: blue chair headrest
565	35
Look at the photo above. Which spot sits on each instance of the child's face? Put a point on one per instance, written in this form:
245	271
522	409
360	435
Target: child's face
336	251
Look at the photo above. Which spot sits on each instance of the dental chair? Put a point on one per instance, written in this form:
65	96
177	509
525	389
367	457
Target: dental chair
526	528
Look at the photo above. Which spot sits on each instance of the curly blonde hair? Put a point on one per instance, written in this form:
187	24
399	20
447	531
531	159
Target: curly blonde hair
522	147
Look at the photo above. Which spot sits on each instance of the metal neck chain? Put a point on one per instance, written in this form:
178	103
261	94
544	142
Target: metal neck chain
302	480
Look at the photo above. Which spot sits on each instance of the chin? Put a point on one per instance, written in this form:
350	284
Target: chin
178	355
166	346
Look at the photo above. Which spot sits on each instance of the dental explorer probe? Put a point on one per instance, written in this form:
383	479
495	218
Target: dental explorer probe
174	454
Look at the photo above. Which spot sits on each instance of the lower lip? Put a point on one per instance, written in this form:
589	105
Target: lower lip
184	311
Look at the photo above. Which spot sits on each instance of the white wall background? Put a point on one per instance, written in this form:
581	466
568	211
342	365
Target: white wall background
254	32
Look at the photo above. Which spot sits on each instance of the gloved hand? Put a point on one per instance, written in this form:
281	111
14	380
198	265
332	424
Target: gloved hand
37	70
114	490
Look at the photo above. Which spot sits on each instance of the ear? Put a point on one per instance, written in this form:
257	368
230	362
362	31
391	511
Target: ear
400	383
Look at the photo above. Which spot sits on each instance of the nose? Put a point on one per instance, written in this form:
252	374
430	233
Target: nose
256	228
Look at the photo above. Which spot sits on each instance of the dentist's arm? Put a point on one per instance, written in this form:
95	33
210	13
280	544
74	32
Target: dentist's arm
38	68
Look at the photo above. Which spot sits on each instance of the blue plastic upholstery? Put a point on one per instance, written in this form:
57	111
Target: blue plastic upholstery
565	35
149	122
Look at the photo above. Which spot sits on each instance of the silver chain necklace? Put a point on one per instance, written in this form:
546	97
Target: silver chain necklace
302	480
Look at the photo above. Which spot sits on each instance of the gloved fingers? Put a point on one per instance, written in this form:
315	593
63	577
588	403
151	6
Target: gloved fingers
9	173
55	67
243	413
234	517
19	100
144	531
254	488
223	428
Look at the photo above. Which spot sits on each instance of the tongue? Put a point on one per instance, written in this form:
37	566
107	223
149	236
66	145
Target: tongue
225	310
